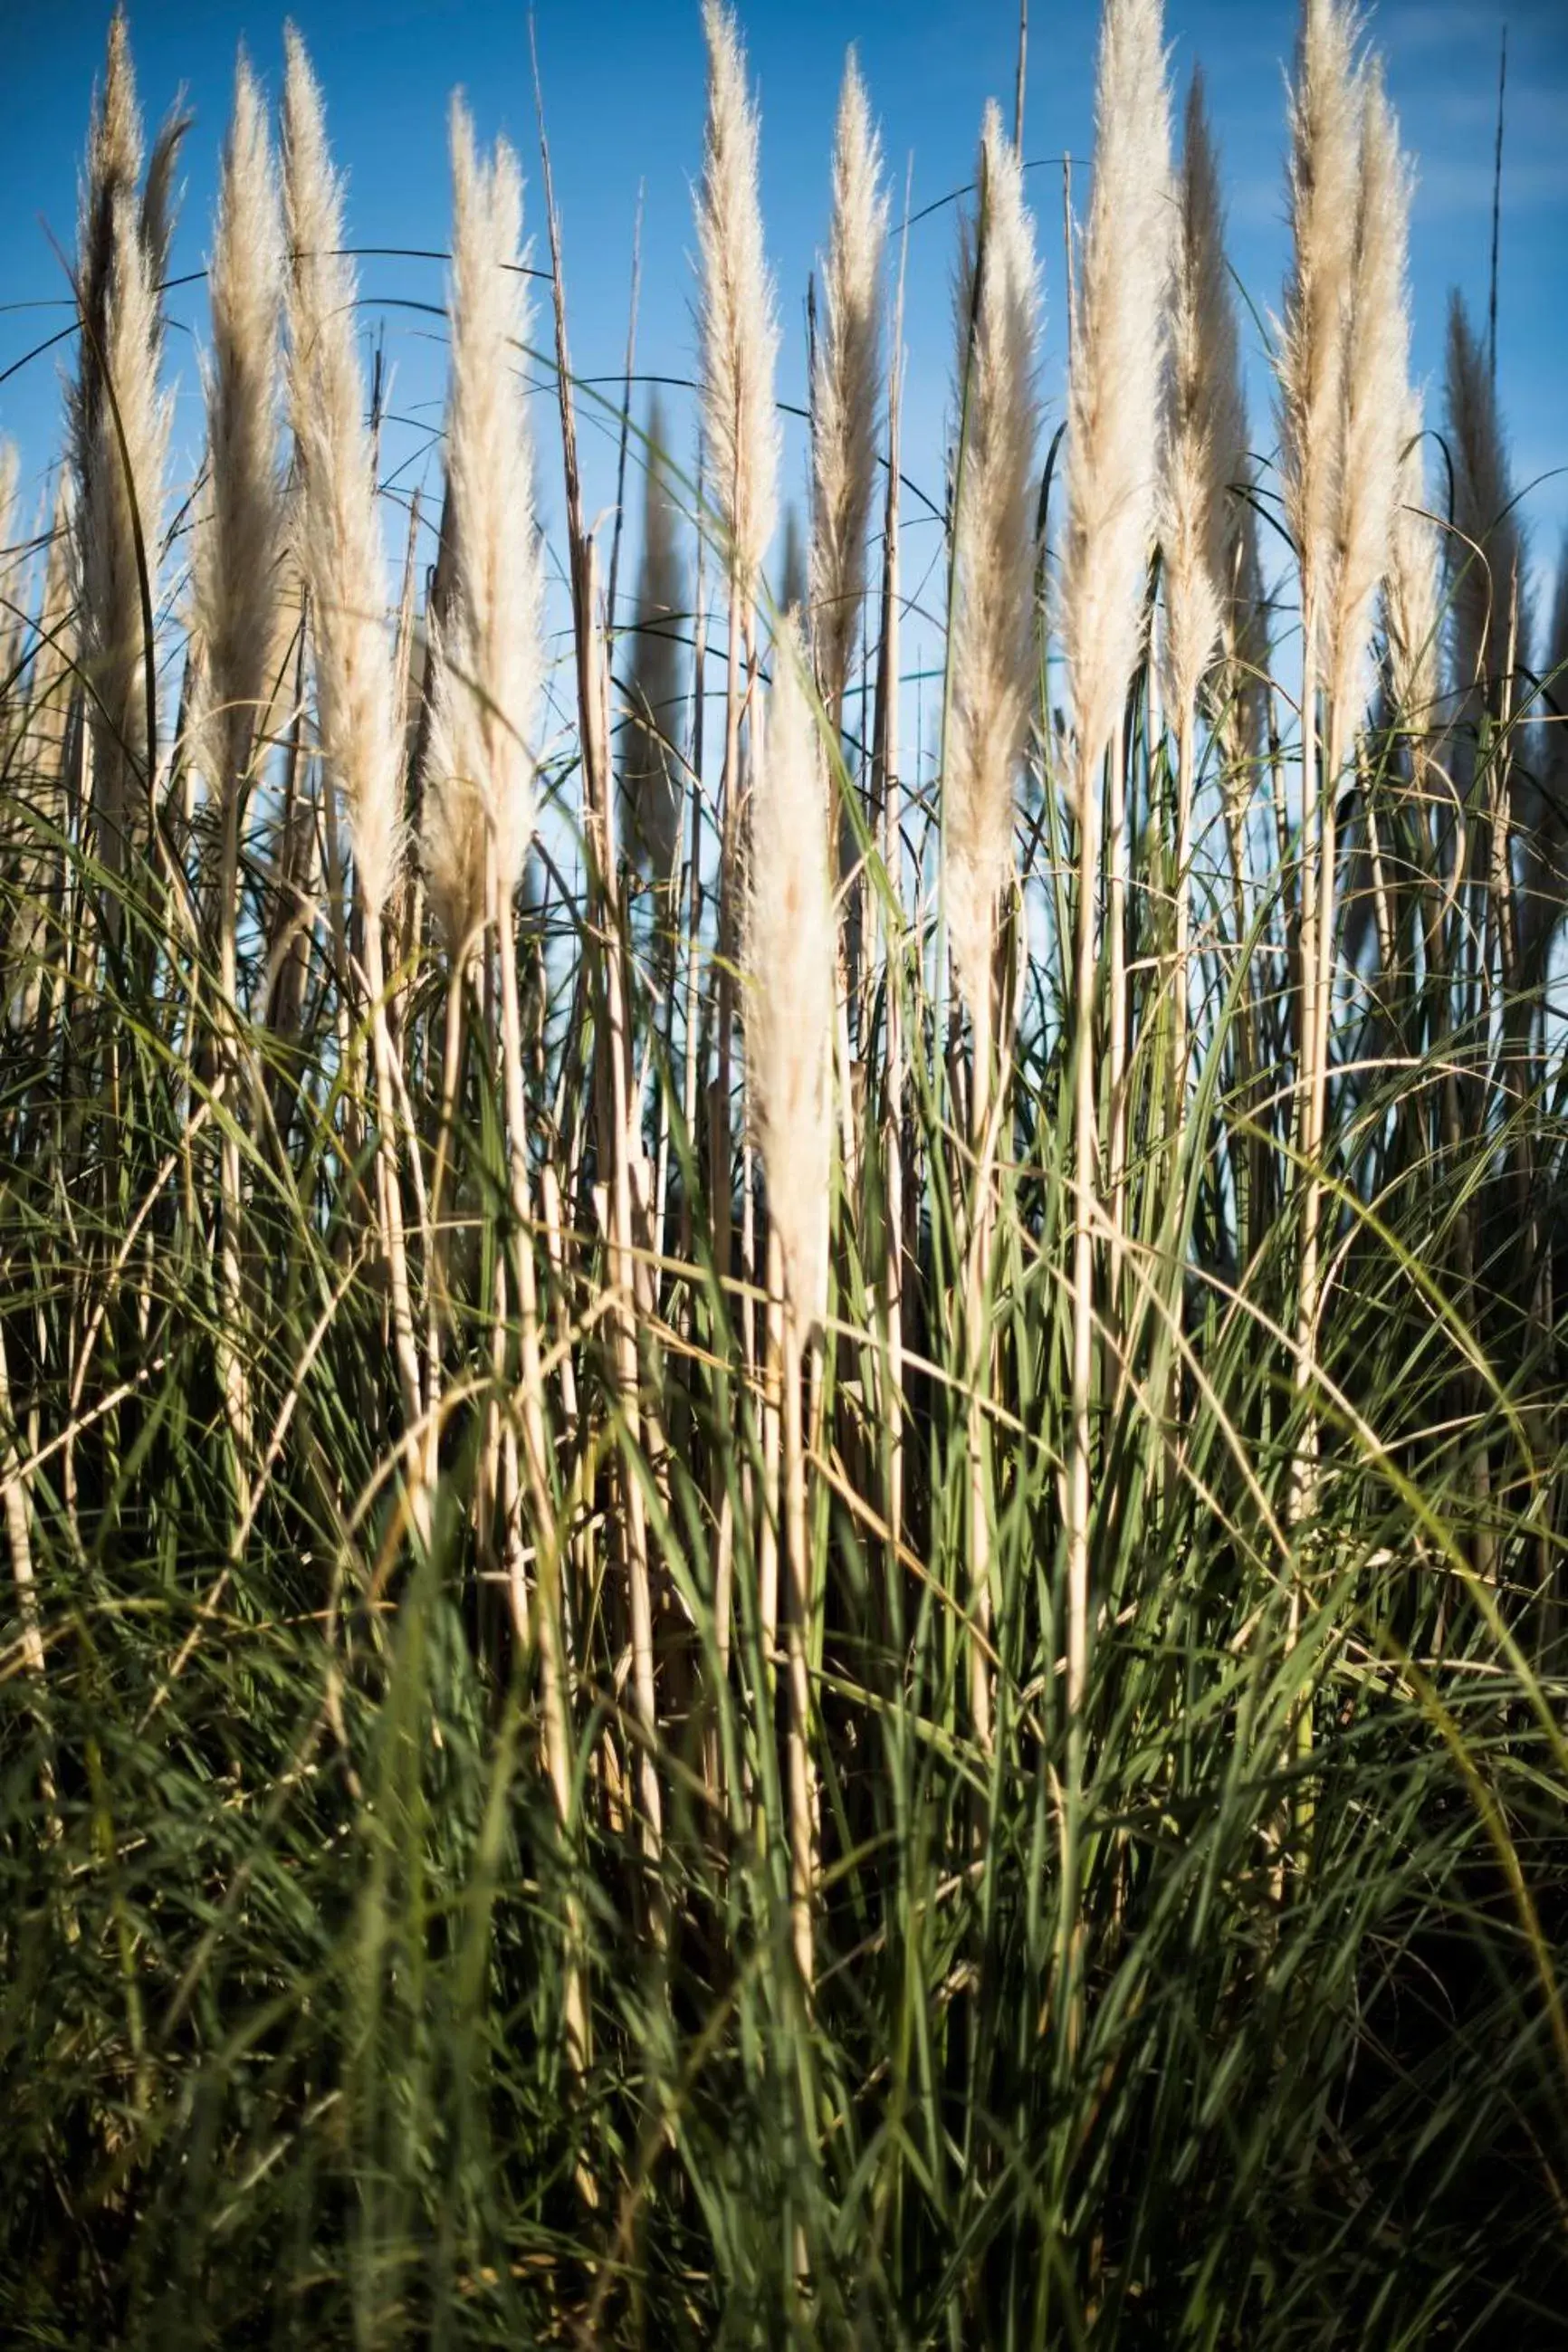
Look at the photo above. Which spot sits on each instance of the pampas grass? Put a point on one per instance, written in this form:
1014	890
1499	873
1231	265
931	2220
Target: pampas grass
240	547
1325	125
736	318
997	310
846	390
789	946
1113	407
1377	340
120	418
1116	373
340	550
487	659
1206	460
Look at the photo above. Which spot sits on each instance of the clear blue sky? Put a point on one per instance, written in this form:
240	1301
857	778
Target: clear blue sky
624	92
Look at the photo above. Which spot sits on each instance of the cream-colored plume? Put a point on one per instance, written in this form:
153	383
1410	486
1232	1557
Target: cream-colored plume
1410	608
650	791
1203	509
736	317
992	620
846	389
1116	372
1377	351
239	546
791	958
339	546
1325	164
487	654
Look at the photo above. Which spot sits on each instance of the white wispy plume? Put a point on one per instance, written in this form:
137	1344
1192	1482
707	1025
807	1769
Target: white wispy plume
736	316
1410	606
339	534
488	661
1325	162
238	547
1202	520
1377	352
992	622
1116	372
790	954
846	388
650	790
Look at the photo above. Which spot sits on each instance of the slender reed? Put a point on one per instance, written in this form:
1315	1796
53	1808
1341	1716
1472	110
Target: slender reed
992	657
119	422
342	564
236	567
738	333
1205	464
846	391
789	949
1113	406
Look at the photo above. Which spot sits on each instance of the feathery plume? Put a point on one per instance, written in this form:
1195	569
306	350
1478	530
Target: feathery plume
790	962
340	548
1485	550
650	795
846	384
119	504
736	319
1323	177
1114	381
998	318
159	202
1201	520
488	658
238	548
1410	592
112	168
1377	349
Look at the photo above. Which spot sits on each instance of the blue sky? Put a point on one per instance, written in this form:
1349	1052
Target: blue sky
624	89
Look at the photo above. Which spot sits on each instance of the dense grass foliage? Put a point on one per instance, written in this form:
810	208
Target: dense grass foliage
560	1783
